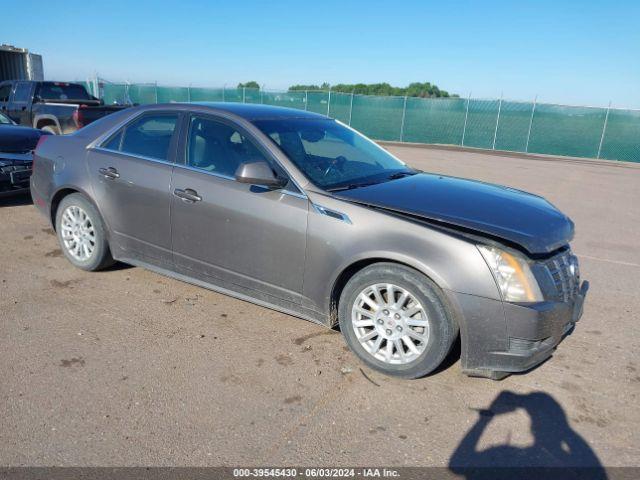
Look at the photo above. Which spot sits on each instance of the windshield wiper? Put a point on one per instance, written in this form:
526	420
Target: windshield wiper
393	176
396	175
351	186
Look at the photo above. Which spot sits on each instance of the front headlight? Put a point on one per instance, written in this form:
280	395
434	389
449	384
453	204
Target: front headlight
512	272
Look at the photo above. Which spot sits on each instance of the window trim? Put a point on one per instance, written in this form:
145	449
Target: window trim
121	128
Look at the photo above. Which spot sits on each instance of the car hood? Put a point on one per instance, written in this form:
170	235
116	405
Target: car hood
519	217
16	139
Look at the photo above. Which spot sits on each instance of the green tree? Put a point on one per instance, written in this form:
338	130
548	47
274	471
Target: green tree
415	89
251	84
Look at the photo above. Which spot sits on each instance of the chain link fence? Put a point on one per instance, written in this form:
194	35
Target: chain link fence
496	124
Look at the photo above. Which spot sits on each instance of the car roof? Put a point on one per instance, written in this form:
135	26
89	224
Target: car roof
252	112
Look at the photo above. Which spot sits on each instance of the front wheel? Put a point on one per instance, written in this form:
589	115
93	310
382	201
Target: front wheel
81	233
396	320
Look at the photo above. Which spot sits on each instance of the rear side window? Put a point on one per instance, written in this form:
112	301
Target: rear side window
63	91
149	136
22	92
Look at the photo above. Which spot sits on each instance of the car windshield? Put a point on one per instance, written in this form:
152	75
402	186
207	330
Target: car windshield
63	91
331	155
4	119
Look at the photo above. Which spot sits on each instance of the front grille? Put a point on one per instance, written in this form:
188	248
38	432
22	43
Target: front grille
565	273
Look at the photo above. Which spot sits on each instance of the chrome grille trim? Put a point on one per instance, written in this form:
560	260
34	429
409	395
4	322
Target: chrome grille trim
567	283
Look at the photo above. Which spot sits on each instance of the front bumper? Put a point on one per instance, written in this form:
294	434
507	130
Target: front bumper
14	179
527	337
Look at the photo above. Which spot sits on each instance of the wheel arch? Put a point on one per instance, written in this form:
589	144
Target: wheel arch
65	191
346	272
46	120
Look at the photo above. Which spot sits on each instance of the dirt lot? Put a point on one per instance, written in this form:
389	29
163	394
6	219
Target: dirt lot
127	367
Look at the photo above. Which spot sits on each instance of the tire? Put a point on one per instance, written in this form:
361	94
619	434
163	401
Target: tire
96	255
53	130
423	310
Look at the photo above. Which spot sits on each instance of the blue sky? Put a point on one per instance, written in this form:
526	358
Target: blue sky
577	52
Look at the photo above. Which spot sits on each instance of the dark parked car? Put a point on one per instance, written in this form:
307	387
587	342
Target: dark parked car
56	107
297	212
16	154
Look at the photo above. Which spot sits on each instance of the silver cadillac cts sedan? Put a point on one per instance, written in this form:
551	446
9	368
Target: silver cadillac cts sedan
300	213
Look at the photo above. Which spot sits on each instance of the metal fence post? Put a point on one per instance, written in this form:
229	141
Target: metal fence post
306	100
466	115
495	133
404	113
262	94
329	102
533	111
350	108
156	91
604	129
189	93
244	89
224	87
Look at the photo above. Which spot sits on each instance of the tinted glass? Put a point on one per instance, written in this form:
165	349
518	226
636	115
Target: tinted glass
331	155
114	142
218	148
149	136
5	92
22	92
4	119
63	91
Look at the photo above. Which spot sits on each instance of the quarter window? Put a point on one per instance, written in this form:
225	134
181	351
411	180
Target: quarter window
219	148
149	136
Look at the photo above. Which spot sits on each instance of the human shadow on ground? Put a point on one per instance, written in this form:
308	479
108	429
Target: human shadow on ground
557	450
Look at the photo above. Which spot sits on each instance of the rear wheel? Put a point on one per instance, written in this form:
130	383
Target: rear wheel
81	233
395	319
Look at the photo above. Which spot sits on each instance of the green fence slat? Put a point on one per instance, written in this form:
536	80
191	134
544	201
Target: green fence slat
513	126
569	131
377	117
622	137
434	120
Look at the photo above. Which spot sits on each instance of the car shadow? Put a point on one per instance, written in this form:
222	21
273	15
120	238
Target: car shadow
557	450
16	200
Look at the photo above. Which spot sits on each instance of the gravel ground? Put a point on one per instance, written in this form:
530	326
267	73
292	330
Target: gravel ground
126	367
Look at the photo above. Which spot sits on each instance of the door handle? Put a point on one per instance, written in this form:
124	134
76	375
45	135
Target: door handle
109	172
188	195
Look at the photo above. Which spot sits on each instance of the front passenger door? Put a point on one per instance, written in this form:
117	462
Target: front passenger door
243	237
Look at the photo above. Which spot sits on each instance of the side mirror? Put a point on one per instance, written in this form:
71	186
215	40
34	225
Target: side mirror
258	173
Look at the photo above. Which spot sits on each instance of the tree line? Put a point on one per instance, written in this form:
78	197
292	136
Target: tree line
415	89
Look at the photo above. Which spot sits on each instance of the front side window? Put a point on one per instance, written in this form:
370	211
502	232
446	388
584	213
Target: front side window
331	155
218	148
148	136
22	92
5	93
4	120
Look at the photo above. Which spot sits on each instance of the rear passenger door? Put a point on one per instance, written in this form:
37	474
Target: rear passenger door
130	176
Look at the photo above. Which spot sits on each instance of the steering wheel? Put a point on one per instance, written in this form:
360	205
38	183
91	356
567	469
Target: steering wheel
336	162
